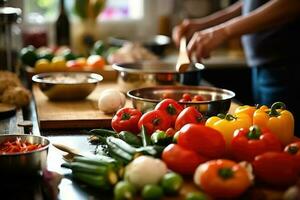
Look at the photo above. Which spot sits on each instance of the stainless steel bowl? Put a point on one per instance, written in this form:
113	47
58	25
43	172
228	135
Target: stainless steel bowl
59	89
29	163
217	100
153	73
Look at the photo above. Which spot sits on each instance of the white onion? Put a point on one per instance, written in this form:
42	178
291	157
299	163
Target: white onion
111	100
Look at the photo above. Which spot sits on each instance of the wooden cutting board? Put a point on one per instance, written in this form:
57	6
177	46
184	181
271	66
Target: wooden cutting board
76	114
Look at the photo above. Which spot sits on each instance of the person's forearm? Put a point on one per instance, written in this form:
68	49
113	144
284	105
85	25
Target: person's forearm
275	12
221	16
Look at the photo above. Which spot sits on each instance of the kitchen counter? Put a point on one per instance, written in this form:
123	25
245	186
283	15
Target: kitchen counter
68	189
75	138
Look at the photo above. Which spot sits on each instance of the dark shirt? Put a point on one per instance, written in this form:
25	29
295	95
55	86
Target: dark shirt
274	46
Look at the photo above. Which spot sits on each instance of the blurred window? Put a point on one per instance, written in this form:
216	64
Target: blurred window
114	10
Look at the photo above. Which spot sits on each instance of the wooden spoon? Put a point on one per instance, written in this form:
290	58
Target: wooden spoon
72	152
183	60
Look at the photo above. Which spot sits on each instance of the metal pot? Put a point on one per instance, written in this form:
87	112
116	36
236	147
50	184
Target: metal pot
153	73
28	163
216	100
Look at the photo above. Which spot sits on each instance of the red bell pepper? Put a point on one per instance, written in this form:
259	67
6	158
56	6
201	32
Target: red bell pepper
188	115
202	139
181	160
155	120
171	108
275	168
248	143
294	150
126	119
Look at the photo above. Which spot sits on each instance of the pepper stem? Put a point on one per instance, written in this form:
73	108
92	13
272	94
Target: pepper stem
221	115
125	116
225	173
228	116
156	121
254	133
257	106
293	149
171	109
199	119
277	105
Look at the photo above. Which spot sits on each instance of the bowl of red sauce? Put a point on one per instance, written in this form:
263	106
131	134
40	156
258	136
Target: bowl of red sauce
22	154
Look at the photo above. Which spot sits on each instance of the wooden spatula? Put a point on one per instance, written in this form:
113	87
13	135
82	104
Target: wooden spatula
183	60
74	152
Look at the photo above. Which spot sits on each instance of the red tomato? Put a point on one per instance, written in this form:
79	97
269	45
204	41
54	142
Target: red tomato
73	65
294	150
181	160
275	168
204	140
222	178
166	96
248	143
170	132
126	119
198	98
170	107
186	97
187	116
96	61
154	120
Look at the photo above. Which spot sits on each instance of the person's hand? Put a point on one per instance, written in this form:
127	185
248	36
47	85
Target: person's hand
186	29
203	42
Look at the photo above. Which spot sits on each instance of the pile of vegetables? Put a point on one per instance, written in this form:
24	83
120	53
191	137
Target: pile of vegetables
225	154
45	59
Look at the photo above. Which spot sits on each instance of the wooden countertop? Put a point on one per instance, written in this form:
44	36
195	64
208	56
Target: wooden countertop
77	114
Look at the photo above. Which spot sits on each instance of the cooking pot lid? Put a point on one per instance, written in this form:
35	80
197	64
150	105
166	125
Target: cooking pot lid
154	67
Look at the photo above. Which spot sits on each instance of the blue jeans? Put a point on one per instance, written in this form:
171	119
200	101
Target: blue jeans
280	83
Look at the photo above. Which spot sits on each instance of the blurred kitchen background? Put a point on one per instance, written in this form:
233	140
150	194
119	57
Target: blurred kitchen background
132	20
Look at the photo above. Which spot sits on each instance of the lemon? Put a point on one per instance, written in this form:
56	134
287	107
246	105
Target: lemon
42	65
59	64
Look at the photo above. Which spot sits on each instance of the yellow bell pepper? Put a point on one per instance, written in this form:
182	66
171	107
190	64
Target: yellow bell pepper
249	110
227	124
277	119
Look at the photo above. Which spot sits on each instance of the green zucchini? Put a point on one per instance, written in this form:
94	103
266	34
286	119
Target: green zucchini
117	152
153	150
145	137
92	180
148	150
121	144
93	170
100	160
130	138
120	155
86	168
